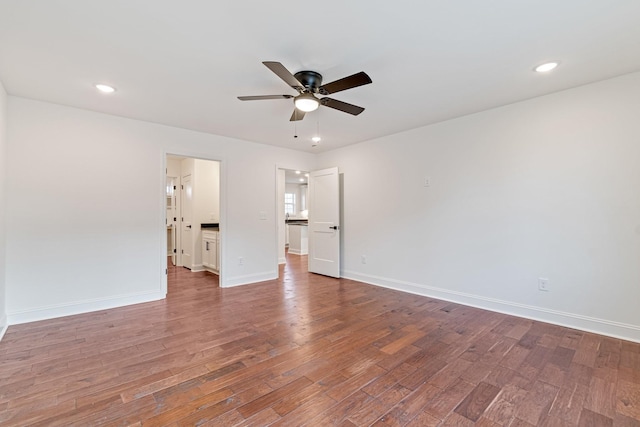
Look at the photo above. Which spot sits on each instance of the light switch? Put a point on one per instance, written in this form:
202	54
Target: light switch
263	215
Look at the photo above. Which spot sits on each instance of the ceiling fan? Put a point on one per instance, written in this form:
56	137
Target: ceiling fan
309	84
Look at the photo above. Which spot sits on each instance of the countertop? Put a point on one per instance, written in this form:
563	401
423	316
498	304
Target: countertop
296	221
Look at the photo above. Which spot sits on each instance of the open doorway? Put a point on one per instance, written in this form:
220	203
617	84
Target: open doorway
193	214
293	213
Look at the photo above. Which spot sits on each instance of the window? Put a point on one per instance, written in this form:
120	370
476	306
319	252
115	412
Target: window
289	203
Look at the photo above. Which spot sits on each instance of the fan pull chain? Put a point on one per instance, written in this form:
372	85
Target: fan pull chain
316	139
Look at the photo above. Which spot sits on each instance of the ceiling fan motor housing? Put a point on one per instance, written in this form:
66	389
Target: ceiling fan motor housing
310	80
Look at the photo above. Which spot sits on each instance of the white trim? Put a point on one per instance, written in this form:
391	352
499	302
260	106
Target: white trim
571	320
250	279
212	271
4	327
163	213
278	166
197	268
296	251
79	307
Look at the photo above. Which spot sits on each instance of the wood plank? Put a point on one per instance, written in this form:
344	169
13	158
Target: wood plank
538	402
505	405
628	399
274	396
593	419
476	402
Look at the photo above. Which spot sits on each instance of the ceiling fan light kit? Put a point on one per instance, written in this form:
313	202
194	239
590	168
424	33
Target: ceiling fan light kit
306	102
308	84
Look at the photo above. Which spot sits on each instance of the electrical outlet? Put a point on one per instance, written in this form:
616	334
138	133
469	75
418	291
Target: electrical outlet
363	259
427	181
543	284
240	261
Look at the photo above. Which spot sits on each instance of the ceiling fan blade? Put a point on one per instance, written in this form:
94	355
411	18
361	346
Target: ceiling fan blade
258	97
297	115
284	74
342	106
349	82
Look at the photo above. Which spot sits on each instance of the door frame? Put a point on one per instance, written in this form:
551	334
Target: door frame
186	205
277	206
223	208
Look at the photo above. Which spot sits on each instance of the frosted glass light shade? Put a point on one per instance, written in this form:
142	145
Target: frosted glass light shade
306	102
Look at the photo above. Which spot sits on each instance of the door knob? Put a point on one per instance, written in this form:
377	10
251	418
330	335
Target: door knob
335	227
188	226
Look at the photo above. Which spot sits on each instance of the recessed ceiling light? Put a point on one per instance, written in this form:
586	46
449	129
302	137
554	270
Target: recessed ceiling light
297	172
316	139
105	88
301	179
546	67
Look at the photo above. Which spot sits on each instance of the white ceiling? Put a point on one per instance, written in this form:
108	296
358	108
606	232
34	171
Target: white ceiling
183	63
291	177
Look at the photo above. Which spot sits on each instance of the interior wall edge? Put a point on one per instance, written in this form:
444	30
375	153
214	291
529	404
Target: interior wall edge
5	326
570	320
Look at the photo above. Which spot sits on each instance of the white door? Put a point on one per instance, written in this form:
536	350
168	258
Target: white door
171	217
324	222
186	201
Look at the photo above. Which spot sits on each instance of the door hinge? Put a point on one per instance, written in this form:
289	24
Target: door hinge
174	219
181	251
174	251
182	187
166	271
175	188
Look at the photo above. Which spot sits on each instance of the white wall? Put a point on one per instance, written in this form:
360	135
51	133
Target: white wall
66	250
549	187
3	204
207	191
206	205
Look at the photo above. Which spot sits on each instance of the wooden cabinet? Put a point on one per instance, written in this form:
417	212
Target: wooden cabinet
211	250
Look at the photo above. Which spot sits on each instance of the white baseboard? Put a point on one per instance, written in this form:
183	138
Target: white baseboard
197	268
249	279
4	325
576	321
79	307
211	270
282	260
297	252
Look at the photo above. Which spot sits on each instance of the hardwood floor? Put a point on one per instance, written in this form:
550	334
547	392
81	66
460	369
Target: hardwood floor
311	350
